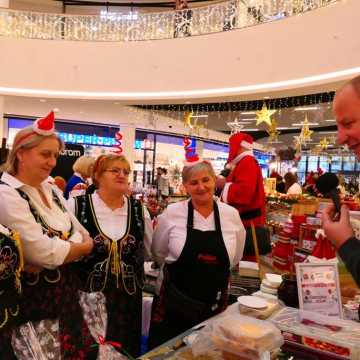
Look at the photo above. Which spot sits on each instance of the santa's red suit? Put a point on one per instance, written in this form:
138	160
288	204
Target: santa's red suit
244	188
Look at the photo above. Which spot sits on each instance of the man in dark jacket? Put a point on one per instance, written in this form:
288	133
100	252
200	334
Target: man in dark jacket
346	108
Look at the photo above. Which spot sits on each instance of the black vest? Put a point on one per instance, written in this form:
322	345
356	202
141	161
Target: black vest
11	264
118	263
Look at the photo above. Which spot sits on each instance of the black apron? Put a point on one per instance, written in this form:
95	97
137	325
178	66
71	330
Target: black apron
194	286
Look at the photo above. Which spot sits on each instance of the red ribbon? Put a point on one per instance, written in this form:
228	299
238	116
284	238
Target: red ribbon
102	341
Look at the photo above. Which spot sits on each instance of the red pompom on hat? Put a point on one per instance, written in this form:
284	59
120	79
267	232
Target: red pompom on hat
45	126
236	140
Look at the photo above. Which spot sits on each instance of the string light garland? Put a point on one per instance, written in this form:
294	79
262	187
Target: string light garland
251	105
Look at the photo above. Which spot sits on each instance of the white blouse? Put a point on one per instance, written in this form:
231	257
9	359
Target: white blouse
294	189
39	249
170	233
113	222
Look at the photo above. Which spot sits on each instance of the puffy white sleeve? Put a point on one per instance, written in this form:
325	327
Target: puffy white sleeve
160	242
39	249
240	238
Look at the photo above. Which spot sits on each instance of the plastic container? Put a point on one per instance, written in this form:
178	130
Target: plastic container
239	337
322	333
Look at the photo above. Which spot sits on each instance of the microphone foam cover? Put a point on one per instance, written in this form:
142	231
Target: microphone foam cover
327	182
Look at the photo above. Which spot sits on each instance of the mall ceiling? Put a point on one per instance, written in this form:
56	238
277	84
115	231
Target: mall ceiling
289	120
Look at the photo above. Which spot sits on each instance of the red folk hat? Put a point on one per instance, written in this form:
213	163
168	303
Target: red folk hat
236	140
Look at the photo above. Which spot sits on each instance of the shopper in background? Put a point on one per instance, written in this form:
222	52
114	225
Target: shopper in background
346	108
243	189
197	241
77	184
51	237
292	187
163	185
122	231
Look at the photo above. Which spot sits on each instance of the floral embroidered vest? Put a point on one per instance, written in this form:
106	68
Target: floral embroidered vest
119	262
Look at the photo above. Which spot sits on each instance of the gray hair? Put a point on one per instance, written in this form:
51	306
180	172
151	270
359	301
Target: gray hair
29	141
189	171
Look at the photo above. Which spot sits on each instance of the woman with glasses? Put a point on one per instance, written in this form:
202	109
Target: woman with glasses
198	241
52	239
122	231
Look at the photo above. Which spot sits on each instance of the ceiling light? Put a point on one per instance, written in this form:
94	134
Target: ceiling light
43	100
248	112
248	119
200	116
301	124
215	92
251	129
331	120
306	108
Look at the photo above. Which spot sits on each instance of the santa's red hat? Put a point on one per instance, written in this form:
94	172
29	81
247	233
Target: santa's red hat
43	126
236	140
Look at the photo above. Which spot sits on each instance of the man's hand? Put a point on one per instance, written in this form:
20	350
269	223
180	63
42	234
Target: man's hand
337	231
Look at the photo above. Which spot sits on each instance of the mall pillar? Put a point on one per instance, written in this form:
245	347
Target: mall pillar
128	143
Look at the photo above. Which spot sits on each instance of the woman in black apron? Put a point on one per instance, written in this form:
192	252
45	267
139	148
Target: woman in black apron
198	241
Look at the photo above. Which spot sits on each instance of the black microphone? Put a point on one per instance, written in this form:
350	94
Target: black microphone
327	185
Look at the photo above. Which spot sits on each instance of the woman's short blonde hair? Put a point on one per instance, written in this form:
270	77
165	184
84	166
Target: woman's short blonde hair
189	171
26	139
103	162
83	165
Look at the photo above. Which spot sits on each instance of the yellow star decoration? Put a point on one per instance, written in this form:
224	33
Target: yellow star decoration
306	133
264	115
273	131
324	143
187	119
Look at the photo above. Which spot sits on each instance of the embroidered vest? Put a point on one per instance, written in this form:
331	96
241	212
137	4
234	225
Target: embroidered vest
117	262
11	265
50	276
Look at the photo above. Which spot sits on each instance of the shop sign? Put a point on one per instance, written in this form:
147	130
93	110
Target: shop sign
318	288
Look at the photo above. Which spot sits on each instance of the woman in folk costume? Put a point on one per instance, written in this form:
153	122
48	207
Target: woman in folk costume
11	265
52	238
122	232
197	241
244	190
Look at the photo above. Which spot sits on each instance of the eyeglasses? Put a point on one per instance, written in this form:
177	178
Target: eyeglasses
118	171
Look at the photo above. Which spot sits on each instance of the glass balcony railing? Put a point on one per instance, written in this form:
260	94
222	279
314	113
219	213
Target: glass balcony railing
234	14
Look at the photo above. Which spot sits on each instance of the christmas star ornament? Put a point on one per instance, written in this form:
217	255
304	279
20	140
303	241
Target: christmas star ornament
324	143
234	126
264	115
187	119
305	133
273	132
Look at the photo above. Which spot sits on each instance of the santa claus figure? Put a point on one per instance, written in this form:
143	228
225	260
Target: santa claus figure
244	190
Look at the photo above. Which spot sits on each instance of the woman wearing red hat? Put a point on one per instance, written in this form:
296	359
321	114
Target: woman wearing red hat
244	190
51	237
197	241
